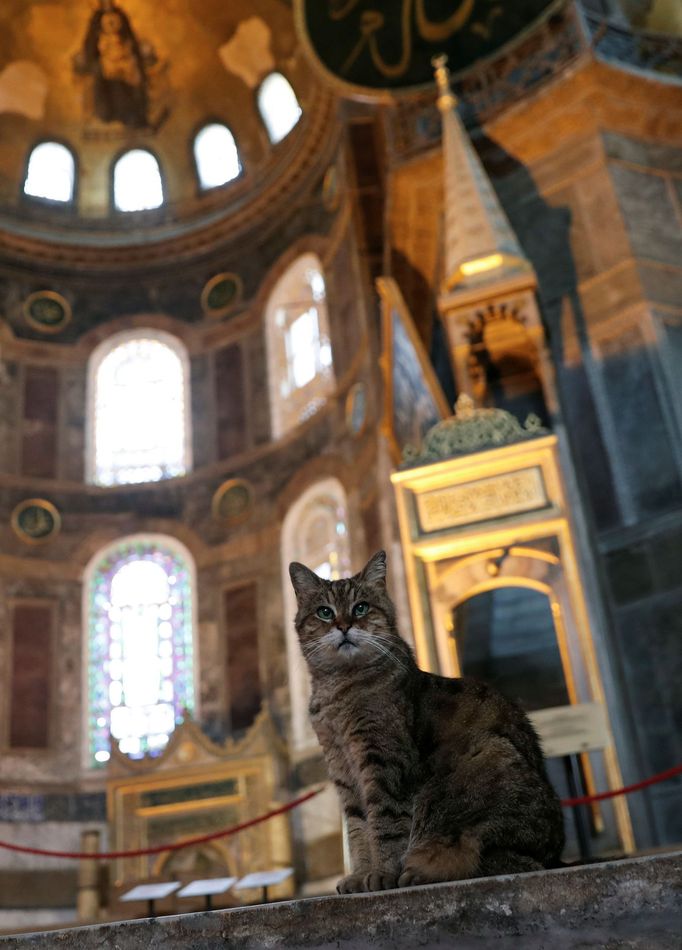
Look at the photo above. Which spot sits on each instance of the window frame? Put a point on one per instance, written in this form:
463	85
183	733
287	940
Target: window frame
301	510
176	547
207	189
261	112
56	203
290	411
112	182
95	360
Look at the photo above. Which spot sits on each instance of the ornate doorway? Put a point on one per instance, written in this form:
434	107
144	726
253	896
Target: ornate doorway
507	637
494	579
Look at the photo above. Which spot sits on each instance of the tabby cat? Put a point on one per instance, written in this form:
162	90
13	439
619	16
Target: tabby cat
440	779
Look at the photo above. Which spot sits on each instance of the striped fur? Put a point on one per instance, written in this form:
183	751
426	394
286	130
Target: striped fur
440	779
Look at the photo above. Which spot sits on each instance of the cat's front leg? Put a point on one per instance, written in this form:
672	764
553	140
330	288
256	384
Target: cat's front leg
358	839
389	821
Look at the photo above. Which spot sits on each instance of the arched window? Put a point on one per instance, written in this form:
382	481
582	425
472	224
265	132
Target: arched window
216	155
299	351
51	172
138	406
140	628
315	532
137	181
278	106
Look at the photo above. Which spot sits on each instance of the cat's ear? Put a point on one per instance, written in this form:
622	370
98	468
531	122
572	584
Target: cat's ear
374	571
303	579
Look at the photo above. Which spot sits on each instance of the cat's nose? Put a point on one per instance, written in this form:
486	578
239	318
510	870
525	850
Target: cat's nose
343	625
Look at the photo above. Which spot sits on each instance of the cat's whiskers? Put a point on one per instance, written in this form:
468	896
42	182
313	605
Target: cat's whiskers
378	643
321	645
389	642
318	647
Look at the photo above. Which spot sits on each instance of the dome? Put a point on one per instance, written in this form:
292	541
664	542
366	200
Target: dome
99	81
472	430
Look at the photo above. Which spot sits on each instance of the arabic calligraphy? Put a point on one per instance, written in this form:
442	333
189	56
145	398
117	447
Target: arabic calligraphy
372	21
390	43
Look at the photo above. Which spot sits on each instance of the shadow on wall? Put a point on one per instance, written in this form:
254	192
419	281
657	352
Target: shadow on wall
625	465
608	399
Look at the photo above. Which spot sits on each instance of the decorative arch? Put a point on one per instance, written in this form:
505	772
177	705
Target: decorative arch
216	156
51	172
517	566
140	628
300	370
315	532
137	181
138	409
505	362
279	106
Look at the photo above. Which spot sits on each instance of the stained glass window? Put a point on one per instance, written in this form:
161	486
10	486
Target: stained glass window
315	532
139	426
278	106
51	172
323	540
216	155
137	181
299	350
140	662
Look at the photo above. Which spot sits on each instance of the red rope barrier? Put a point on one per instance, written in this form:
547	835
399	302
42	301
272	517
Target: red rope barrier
652	780
157	849
202	839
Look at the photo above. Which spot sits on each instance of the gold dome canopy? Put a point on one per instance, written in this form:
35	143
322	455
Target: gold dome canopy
107	76
471	429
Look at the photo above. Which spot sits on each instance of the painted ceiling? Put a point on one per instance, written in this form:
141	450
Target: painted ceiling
106	75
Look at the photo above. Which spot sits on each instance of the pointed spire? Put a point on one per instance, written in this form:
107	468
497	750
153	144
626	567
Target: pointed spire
480	245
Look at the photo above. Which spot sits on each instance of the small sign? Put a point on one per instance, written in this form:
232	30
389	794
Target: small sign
264	878
498	496
213	885
150	892
568	730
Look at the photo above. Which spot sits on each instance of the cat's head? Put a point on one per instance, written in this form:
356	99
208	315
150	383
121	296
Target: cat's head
345	623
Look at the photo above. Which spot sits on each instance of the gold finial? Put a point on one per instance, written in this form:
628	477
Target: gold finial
446	98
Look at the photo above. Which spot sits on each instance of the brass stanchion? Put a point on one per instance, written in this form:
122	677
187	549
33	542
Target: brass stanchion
88	878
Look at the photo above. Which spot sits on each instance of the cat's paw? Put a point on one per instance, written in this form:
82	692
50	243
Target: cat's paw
381	879
351	884
411	877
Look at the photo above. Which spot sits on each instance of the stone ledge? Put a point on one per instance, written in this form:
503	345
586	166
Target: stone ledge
635	903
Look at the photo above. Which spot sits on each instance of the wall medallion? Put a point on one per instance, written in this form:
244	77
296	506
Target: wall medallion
233	501
221	294
356	409
47	311
365	46
36	521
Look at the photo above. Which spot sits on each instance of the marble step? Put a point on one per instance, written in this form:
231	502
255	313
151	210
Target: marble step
634	903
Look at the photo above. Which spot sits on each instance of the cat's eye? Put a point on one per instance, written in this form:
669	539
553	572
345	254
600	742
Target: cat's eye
325	613
361	609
